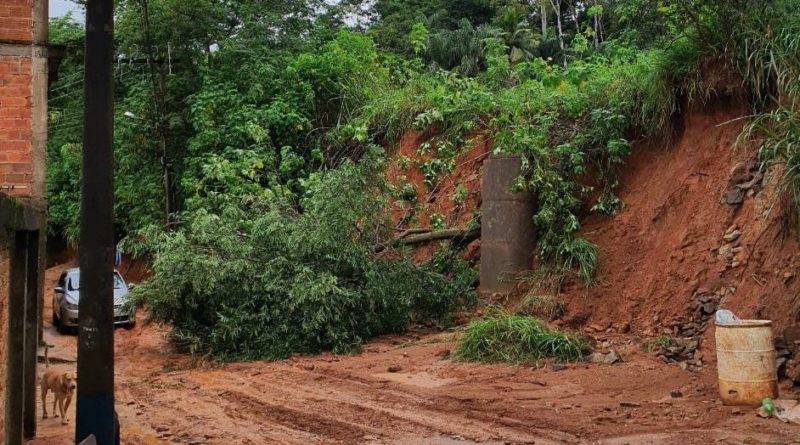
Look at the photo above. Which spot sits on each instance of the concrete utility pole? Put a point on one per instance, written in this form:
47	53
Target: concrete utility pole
95	405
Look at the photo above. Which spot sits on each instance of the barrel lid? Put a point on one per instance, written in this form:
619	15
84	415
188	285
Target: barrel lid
745	324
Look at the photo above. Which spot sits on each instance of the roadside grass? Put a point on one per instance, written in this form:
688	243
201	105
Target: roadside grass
508	338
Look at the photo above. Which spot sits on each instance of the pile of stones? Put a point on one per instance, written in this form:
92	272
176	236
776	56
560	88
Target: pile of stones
729	251
680	342
787	351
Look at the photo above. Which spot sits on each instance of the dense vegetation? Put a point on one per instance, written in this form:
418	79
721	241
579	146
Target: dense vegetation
250	138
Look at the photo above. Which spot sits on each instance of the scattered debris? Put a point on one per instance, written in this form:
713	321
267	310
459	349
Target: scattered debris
743	184
394	368
608	358
781	409
787	354
734	196
728	252
676	394
732	235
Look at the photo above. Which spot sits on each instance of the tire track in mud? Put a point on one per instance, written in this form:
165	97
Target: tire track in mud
389	413
321	428
478	411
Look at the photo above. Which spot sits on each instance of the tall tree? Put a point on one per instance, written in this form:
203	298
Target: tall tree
556	4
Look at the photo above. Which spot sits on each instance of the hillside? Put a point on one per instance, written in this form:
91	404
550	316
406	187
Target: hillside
298	192
677	239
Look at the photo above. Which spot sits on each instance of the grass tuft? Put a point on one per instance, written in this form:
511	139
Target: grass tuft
580	255
508	338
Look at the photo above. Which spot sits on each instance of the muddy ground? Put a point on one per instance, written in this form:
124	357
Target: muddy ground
167	398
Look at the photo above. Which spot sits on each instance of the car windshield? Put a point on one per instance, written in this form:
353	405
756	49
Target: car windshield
75	281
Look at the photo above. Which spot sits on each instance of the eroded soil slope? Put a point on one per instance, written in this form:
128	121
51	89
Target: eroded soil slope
684	235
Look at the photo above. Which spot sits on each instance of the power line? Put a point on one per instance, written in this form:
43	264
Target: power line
80	92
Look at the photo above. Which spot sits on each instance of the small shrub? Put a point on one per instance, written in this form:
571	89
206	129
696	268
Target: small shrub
407	192
580	255
660	342
507	338
438	221
460	195
403	162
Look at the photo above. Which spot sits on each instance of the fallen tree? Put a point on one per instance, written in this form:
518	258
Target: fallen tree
452	234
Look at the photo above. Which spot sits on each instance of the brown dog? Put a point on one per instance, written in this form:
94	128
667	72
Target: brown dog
63	385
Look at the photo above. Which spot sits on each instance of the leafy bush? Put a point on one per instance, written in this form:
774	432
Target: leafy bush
766	50
276	280
506	338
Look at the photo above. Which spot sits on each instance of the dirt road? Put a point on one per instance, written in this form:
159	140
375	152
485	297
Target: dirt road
165	397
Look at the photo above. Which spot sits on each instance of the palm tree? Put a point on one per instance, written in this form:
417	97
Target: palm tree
514	29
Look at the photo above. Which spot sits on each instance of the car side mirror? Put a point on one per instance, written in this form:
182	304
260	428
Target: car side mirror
59	289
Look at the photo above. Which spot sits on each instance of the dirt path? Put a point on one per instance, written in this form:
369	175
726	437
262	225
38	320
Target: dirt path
164	397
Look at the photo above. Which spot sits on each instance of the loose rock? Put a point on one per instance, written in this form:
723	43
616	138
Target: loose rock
608	359
732	236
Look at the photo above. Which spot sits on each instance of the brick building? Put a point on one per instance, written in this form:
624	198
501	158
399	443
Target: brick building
23	134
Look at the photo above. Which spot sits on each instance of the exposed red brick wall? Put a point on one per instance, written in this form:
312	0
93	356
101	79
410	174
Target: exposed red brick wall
16	20
15	123
16	27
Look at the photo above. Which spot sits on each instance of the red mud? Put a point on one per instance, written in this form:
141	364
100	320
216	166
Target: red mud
167	398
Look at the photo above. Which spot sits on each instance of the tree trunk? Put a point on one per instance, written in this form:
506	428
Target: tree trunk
543	15
574	15
437	235
557	9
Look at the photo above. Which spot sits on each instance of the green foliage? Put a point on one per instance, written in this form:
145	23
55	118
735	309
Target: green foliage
265	117
516	32
505	338
438	221
460	195
765	48
661	342
566	122
65	120
419	38
460	49
273	281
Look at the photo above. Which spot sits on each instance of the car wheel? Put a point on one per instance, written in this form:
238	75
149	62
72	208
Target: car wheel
56	321
61	328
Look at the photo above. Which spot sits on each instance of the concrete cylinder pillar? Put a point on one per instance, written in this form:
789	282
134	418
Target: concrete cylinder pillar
507	232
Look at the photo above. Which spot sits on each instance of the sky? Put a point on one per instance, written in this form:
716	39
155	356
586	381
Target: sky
59	8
